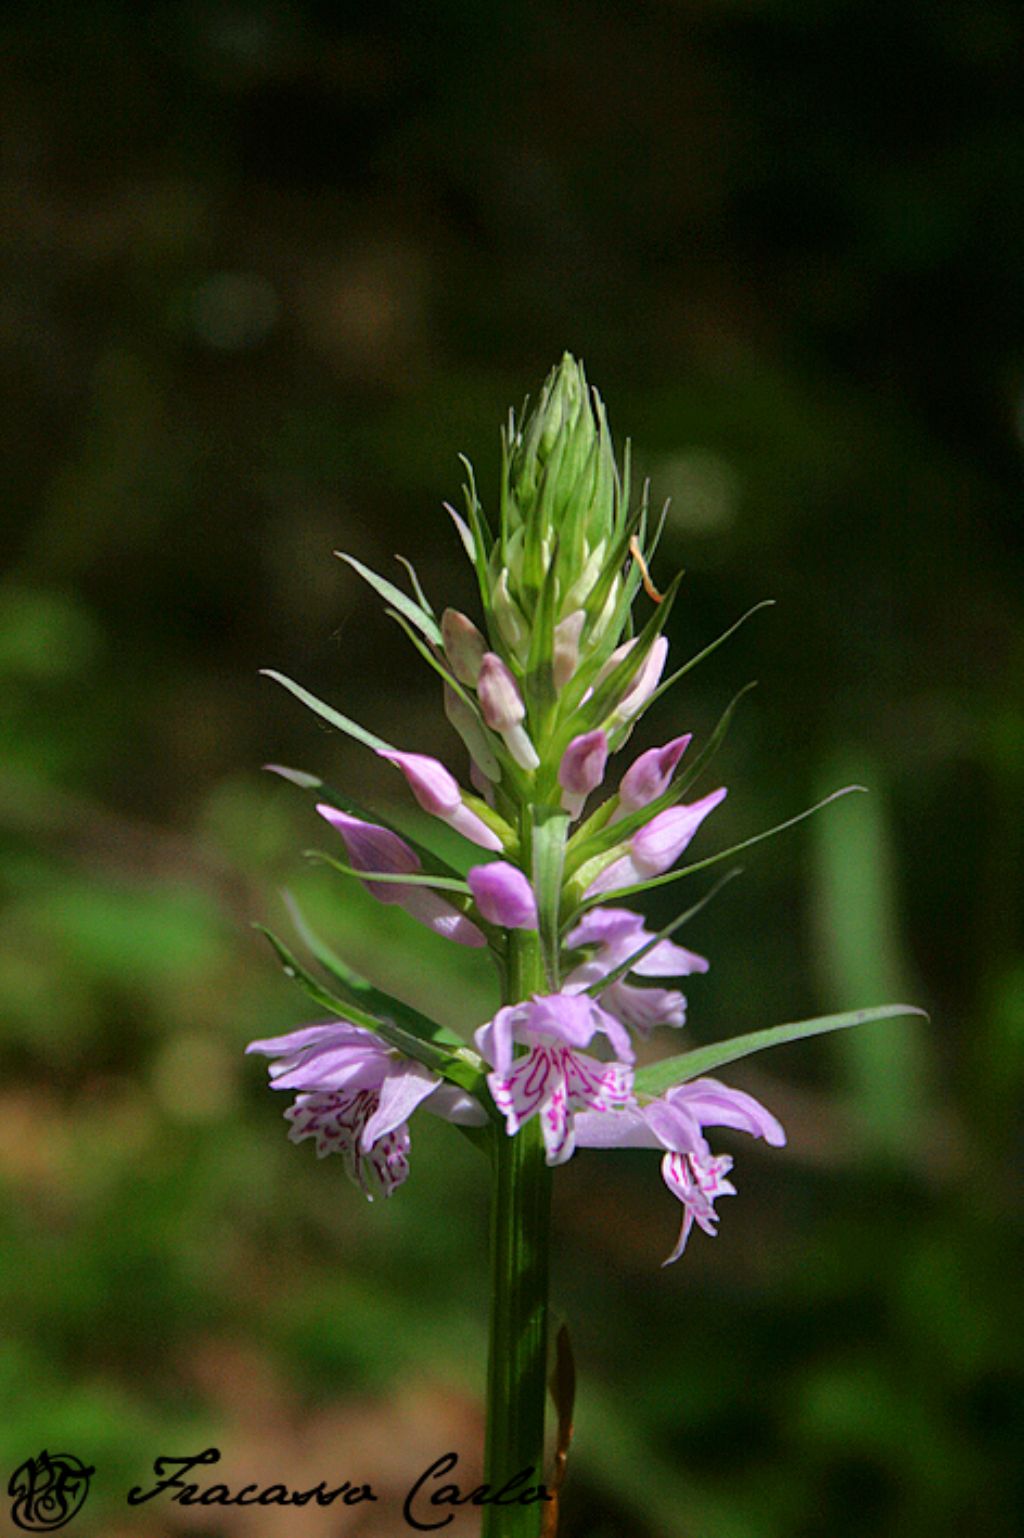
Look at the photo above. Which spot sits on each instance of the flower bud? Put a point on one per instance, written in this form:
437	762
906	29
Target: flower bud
472	733
502	708
655	847
437	792
464	646
561	499
658	845
582	769
508	616
501	704
649	776
503	895
643	683
566	654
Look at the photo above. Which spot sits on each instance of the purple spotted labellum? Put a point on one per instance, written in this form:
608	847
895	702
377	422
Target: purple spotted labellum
675	1123
554	1079
356	1096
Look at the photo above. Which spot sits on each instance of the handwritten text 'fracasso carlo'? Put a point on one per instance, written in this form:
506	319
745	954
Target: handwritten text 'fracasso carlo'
428	1505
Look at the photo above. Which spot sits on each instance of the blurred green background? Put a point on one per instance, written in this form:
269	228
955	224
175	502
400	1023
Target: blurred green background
266	269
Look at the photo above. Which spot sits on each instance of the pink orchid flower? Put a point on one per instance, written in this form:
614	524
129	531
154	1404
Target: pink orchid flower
373	848
675	1123
356	1098
554	1079
618	934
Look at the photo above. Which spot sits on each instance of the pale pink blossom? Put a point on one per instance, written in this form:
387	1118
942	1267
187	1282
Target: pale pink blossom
582	769
554	1079
649	776
675	1123
437	792
617	934
501	706
656	846
503	894
356	1096
464	646
373	848
643	683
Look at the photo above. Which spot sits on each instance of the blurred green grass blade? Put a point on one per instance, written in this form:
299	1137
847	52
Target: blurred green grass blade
860	954
375	998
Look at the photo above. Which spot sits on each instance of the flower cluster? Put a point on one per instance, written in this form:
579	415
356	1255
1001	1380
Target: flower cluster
543	693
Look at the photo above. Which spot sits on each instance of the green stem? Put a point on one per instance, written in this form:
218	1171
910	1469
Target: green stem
517	1364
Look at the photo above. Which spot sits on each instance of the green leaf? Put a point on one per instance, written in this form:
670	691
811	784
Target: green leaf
483	540
417	586
617	556
549	829
666	683
353	982
423	621
462	529
435	662
658	1077
461	1066
608	694
325	792
393	878
328	713
539	682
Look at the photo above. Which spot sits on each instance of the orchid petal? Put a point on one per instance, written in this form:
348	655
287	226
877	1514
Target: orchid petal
401	1092
437	791
658	845
714	1104
504	895
649	776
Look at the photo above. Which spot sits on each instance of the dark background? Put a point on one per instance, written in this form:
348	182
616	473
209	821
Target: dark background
266	270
